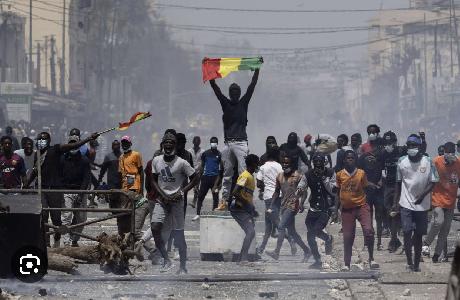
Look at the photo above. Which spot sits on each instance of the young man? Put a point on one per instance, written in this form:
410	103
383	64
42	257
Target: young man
9	133
50	161
390	157
416	176
443	200
27	153
266	181
187	156
291	149
441	150
12	167
242	208
370	162
322	184
75	176
169	172
196	152
211	178
286	184
270	142
235	119
355	143
132	179
342	144
351	184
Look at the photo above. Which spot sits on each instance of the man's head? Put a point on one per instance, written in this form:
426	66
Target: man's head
171	131
196	141
116	147
319	161
214	141
252	162
234	91
9	130
28	145
286	163
181	142
169	142
349	160
72	140
270	142
373	131
441	150
273	153
449	153
390	140
126	144
292	139
75	131
356	140
43	140
7	144
307	140
414	144
342	140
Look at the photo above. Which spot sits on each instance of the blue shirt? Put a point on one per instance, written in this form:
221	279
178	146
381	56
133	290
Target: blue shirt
211	159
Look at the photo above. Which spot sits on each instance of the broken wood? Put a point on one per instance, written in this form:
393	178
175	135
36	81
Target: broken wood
62	263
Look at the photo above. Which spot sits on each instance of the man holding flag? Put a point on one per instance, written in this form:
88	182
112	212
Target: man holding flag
235	112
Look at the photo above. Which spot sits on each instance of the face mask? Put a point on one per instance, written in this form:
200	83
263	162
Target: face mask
74	151
412	152
372	137
214	145
42	144
389	148
450	158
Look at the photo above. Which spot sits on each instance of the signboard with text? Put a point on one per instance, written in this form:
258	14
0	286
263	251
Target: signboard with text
18	100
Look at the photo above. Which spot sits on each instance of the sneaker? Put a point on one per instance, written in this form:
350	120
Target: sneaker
444	259
426	251
182	271
373	264
306	256
397	244
167	265
196	218
273	254
316	265
379	247
328	245
75	244
409	268
435	258
345	269
222	206
259	251
293	248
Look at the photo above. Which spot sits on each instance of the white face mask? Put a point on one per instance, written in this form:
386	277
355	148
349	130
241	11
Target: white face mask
389	148
42	144
412	152
214	145
373	136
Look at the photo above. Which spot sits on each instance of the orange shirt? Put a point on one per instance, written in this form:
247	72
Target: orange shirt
128	166
445	191
352	187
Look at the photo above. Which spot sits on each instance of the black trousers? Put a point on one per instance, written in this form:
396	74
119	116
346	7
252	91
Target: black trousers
206	184
316	221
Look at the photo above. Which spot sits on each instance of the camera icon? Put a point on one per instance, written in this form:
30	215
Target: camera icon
28	264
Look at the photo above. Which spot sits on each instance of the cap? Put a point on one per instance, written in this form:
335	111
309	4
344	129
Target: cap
126	138
307	138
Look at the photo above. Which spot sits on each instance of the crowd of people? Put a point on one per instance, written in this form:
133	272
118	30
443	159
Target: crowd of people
399	187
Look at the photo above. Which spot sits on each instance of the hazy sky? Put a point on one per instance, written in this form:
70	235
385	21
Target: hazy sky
268	19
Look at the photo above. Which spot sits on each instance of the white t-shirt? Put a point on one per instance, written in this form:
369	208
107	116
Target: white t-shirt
196	157
414	178
171	175
28	160
267	174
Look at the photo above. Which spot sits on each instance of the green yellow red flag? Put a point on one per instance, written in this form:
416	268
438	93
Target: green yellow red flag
135	118
213	68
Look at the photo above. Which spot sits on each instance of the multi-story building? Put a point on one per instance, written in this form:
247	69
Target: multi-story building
13	60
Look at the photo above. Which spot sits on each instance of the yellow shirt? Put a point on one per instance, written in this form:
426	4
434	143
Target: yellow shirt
248	185
352	188
129	168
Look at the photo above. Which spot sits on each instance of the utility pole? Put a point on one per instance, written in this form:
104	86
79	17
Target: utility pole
46	62
456	33
31	64
53	65
425	102
62	72
38	65
435	73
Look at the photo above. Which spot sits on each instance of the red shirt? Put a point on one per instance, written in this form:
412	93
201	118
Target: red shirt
11	171
445	191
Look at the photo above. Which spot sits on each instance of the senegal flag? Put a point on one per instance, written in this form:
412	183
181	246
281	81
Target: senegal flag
135	118
220	67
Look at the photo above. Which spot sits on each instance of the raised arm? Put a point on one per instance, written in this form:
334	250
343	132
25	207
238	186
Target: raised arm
252	86
217	90
68	147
